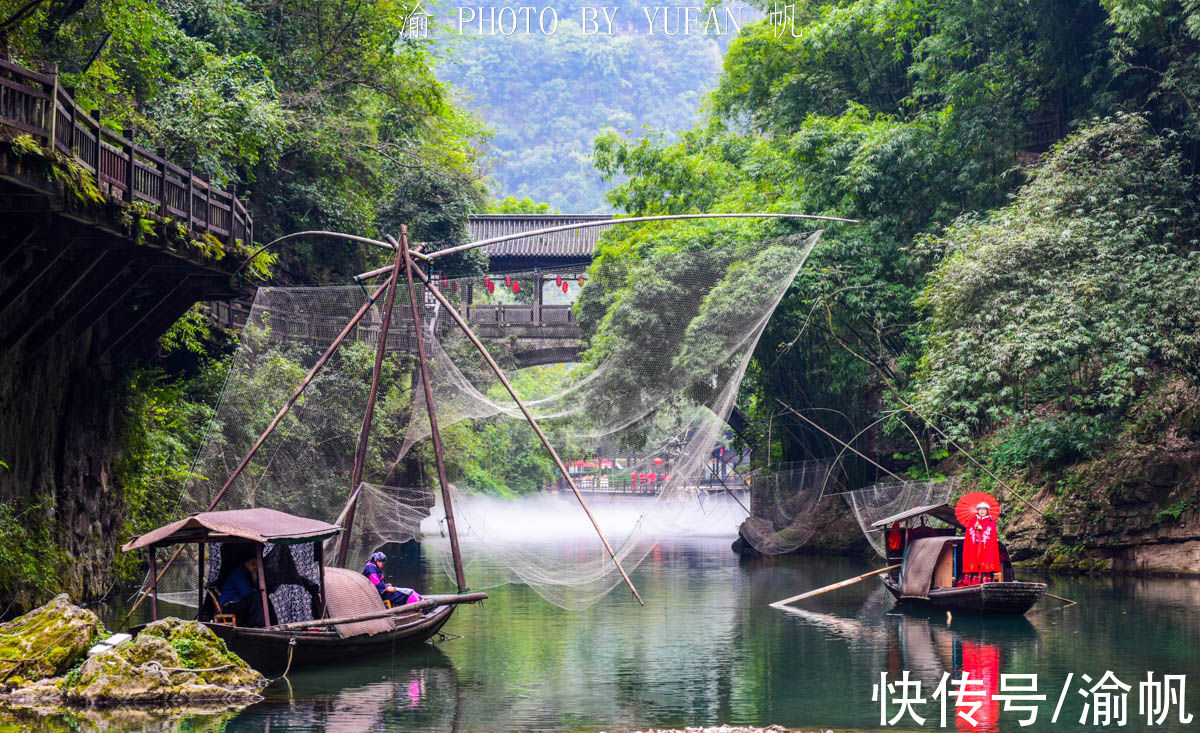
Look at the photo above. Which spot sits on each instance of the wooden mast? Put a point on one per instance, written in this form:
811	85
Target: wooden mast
439	457
360	456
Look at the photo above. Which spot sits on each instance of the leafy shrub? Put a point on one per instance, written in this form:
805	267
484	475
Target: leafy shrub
1050	440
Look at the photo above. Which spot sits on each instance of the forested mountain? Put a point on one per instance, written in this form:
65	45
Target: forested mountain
546	97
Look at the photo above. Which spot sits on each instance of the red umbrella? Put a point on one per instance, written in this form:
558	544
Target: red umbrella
964	510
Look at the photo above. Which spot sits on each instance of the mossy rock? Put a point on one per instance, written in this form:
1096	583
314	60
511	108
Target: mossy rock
47	641
170	661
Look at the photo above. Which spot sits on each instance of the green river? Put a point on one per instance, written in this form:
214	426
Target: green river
707	649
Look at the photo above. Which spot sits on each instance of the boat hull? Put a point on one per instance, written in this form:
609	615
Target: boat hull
267	650
1008	597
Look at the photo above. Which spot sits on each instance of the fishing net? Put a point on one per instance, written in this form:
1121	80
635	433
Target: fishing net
640	418
892	497
785	505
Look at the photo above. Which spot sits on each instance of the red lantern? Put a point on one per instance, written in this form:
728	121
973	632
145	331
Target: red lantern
558	279
581	281
454	287
491	286
564	287
507	280
516	286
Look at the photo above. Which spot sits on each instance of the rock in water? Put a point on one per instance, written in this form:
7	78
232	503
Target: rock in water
170	661
45	642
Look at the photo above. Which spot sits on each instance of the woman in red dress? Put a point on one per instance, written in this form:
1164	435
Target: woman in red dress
981	549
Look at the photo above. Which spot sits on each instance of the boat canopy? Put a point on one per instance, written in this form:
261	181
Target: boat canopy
237	525
944	512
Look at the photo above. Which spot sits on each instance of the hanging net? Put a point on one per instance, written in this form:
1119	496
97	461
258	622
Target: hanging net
639	419
892	497
785	500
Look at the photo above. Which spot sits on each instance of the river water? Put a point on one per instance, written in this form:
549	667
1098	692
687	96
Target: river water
707	649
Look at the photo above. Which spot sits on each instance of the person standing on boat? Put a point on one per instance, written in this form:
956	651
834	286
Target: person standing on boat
395	595
981	550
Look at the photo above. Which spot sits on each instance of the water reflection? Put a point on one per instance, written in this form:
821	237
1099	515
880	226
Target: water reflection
416	689
707	649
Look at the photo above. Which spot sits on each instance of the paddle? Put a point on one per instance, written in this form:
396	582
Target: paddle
835	586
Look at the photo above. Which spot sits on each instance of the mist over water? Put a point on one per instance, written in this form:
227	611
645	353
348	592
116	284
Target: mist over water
544	518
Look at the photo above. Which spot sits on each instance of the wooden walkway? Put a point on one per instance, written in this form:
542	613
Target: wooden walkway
36	105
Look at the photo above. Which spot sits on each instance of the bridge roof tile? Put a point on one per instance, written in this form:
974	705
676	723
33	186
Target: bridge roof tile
578	243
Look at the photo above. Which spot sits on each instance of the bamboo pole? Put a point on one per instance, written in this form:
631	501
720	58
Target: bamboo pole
421	605
1067	601
439	457
360	456
312	373
462	324
834	586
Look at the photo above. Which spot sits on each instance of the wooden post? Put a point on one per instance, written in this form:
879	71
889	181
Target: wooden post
466	329
191	190
52	123
262	587
72	116
96	157
153	585
360	455
207	203
232	211
200	576
319	555
162	181
130	163
439	458
537	298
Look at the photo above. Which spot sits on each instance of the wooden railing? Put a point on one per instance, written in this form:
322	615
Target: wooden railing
122	168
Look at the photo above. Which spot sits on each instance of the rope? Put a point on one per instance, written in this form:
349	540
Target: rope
291	648
153	665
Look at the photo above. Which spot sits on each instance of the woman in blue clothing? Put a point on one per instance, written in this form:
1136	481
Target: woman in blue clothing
388	592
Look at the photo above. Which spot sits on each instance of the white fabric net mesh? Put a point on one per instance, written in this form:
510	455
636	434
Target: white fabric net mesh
785	505
892	497
636	419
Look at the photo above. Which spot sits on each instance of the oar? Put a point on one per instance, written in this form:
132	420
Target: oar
1067	601
835	586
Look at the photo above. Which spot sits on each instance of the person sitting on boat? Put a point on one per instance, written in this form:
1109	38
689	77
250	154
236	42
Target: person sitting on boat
395	595
981	548
240	594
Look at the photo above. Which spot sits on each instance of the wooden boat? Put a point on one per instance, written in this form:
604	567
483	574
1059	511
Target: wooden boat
930	561
325	615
